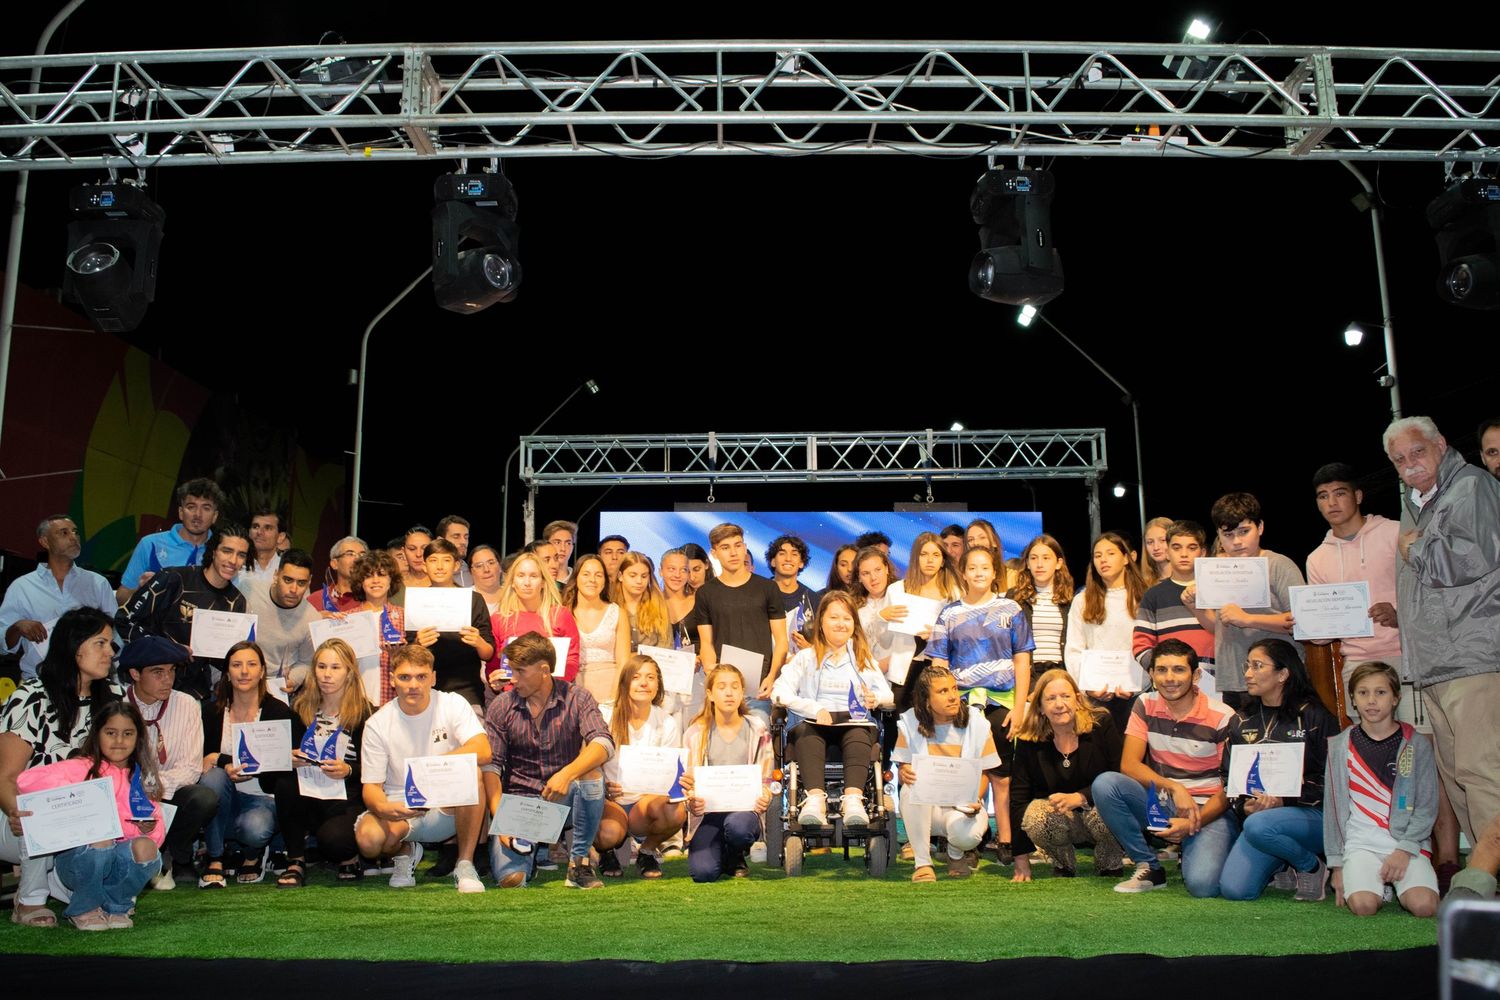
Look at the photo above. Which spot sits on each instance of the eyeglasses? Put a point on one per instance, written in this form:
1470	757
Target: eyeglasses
1259	665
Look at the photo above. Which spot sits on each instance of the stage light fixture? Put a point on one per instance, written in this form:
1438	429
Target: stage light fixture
1199	30
1016	263
1026	315
1119	491
1466	220
956	427
474	242
1354	335
1191	67
114	243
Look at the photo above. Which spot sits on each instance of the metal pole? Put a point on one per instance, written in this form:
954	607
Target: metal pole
528	510
18	227
359	410
1385	291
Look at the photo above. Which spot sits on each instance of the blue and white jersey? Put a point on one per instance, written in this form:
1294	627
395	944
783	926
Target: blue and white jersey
979	641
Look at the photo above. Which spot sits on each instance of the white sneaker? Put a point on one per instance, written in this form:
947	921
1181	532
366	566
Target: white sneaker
467	877
758	852
853	809
814	809
163	881
405	873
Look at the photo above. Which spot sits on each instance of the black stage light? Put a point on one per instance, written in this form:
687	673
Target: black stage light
114	242
1466	219
474	242
1016	262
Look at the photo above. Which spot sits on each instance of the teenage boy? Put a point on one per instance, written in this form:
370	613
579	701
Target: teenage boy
1237	518
456	530
1161	614
282	620
612	549
952	539
198	504
561	535
1174	741
738	608
549	741
457	655
787	556
265	557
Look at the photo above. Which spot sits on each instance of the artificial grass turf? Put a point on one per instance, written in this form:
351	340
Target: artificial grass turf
854	919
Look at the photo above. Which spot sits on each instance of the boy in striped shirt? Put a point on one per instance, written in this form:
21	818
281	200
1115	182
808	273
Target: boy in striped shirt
1173	744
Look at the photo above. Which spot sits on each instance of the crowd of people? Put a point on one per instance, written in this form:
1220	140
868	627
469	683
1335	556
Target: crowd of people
555	665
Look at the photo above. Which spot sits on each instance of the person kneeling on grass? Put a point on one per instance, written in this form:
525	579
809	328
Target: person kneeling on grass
1277	832
1064	743
1172	744
724	734
831	691
105	877
941	725
548	741
417	722
1381	784
636	717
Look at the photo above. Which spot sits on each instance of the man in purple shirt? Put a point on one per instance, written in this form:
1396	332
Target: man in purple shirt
548	741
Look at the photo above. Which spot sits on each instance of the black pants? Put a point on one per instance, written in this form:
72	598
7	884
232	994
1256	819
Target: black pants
196	805
330	820
810	746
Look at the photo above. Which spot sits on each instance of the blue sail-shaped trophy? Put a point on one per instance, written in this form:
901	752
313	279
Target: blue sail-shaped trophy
1253	784
331	748
248	763
414	797
309	746
857	710
1157	818
675	793
141	806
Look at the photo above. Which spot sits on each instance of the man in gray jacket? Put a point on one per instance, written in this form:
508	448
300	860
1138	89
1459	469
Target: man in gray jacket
1448	605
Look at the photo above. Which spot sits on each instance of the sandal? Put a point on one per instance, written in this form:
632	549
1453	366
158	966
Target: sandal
647	864
294	876
351	872
35	916
213	875
924	874
251	870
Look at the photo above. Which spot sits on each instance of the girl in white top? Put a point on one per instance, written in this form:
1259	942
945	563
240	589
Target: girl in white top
939	724
929	574
1105	619
831	690
636	718
677	592
603	632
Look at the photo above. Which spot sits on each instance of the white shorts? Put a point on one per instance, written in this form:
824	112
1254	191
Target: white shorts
432	827
1362	874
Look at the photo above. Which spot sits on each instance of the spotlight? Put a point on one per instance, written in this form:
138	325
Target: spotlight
1466	219
114	242
1017	263
1026	315
592	386
956	427
474	241
1191	67
1119	491
1354	335
1199	30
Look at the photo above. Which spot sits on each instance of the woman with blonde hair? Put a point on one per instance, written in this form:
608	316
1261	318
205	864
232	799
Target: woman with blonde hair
1155	559
1064	743
529	602
634	589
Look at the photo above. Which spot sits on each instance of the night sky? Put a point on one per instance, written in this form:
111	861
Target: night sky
823	293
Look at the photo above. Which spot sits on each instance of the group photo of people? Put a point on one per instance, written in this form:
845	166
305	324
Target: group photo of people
432	710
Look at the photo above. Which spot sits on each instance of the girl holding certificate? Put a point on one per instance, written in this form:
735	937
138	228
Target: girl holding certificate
874	578
1278	831
677	592
604	634
247	810
725	733
529	602
636	718
105	877
929	574
831	691
940	724
376	581
1105	618
327	725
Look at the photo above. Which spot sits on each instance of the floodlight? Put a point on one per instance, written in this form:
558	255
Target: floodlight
1017	263
114	242
1199	30
956	427
1119	491
1354	335
474	241
1466	219
1026	315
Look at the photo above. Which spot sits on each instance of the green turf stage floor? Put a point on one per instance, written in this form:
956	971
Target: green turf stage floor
839	914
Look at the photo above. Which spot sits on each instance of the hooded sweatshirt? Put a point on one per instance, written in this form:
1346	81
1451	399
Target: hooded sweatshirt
1369	556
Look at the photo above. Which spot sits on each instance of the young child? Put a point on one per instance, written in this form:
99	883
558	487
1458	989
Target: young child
1381	799
105	877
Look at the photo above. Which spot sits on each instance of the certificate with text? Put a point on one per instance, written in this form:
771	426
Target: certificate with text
69	816
650	770
944	781
728	788
360	630
1107	669
676	665
526	818
258	747
1245	583
446	609
1277	765
1331	611
441	782
213	632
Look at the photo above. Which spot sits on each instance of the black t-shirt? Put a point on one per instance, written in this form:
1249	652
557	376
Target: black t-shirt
803	600
741	616
455	663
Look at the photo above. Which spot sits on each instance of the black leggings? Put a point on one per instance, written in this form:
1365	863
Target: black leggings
330	820
810	746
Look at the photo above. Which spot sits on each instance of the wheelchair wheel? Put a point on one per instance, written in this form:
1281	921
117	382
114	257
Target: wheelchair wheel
792	860
878	855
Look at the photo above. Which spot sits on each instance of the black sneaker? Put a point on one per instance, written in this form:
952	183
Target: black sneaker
443	866
1145	879
581	876
544	861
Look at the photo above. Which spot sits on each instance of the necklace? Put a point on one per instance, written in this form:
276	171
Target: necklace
1066	754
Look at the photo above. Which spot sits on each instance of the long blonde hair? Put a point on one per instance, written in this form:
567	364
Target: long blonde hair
619	715
651	618
1037	728
863	658
706	716
510	601
354	707
1149	575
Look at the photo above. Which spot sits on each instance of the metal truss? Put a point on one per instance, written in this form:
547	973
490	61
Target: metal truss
134	110
710	459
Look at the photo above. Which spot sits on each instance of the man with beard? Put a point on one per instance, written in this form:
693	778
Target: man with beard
57	585
198	504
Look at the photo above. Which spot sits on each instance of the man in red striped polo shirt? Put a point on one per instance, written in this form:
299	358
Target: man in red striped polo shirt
1172	744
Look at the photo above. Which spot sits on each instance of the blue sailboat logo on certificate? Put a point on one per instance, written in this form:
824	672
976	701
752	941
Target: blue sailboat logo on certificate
857	710
1156	817
675	793
141	806
1253	784
248	762
414	797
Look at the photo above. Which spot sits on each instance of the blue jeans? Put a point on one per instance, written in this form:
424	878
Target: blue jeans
249	820
586	810
1121	802
720	842
104	877
1286	835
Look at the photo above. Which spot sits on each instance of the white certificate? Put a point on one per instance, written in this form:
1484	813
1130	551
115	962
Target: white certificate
215	631
536	820
45	644
921	613
1279	766
360	630
1331	611
259	747
728	788
314	784
676	665
70	816
560	644
944	781
1207	683
650	770
1245	583
446	609
1107	669
751	665
442	782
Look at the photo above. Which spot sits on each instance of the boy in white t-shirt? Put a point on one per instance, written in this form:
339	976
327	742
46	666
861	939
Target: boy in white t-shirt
418	722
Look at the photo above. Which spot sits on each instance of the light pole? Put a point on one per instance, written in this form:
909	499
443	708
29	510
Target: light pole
593	388
1373	204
